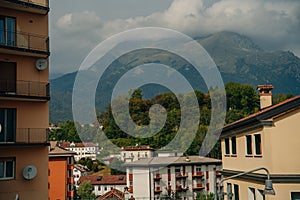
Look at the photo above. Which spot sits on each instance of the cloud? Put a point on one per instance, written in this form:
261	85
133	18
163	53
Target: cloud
273	24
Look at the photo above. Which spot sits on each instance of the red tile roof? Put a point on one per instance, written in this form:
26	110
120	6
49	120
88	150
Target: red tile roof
266	113
113	194
104	180
137	148
86	144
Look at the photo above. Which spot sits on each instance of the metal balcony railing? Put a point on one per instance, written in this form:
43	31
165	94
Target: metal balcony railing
24	41
28	136
24	88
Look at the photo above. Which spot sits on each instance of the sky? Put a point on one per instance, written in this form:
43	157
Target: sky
77	26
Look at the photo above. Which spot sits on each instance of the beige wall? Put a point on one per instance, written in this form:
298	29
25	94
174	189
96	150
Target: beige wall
35	189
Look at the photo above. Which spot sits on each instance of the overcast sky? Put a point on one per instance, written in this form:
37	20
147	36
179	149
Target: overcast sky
77	26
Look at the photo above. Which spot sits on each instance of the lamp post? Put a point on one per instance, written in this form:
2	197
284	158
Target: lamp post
268	182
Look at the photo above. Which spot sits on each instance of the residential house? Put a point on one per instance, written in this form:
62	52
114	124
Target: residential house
24	96
78	171
103	184
133	153
83	150
60	180
162	177
269	139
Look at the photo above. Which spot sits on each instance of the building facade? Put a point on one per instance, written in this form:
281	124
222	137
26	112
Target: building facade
60	180
134	153
106	183
162	177
24	96
83	150
270	139
78	171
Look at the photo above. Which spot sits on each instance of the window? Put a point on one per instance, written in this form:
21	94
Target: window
229	190
7	125
169	170
227	148
295	195
260	195
130	183
236	192
7	31
257	139
249	144
233	145
146	154
99	188
198	169
105	188
251	194
7	168
177	170
138	154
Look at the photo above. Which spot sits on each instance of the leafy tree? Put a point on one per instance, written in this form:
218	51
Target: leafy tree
85	190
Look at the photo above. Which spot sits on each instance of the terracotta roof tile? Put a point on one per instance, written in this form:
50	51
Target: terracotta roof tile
81	144
136	148
104	180
113	194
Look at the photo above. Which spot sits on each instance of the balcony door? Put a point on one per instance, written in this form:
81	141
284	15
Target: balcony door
8	77
7	31
7	124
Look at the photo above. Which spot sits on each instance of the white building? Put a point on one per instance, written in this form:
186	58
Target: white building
160	177
78	171
134	153
83	150
103	184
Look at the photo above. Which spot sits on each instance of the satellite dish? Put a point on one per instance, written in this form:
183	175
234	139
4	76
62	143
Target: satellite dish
41	64
29	172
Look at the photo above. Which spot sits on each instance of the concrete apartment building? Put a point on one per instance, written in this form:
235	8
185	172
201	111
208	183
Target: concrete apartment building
134	153
270	139
24	96
161	177
61	166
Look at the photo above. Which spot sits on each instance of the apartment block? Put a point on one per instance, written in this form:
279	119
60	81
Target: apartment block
24	96
133	153
165	177
269	139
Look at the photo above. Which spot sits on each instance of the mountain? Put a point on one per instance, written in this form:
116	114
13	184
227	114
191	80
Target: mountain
238	58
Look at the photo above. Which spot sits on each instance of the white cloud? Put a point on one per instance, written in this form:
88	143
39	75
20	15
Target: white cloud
273	24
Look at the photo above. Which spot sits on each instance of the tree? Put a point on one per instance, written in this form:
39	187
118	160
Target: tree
85	190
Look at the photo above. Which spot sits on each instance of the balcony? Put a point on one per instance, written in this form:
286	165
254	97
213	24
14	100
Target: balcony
130	177
180	188
198	186
25	44
181	175
157	177
70	180
24	90
130	189
70	166
198	174
26	136
157	190
33	6
70	193
218	173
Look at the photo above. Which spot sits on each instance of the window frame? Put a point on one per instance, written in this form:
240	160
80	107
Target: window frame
227	146
13	170
235	147
260	145
249	145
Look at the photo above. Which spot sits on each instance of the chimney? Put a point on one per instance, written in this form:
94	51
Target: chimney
265	92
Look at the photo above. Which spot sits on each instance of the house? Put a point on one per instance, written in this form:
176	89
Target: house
60	180
78	171
112	194
103	184
163	177
83	150
24	99
269	139
133	153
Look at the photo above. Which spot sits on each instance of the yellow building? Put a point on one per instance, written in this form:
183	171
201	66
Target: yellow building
24	96
269	138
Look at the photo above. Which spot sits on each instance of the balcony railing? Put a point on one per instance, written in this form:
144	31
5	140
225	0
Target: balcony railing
32	136
181	175
35	6
24	42
24	88
198	186
198	174
157	190
157	176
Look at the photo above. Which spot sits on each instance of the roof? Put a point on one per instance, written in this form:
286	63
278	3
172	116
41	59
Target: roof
112	194
104	180
137	148
265	114
184	160
81	168
56	151
79	144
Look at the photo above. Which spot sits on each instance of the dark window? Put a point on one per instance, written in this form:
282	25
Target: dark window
227	148
7	168
236	192
249	144
258	144
233	145
7	31
7	125
295	195
169	170
8	75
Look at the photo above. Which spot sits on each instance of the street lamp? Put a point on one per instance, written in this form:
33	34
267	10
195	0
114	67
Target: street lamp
268	182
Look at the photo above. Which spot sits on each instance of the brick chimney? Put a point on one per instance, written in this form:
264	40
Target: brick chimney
265	92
